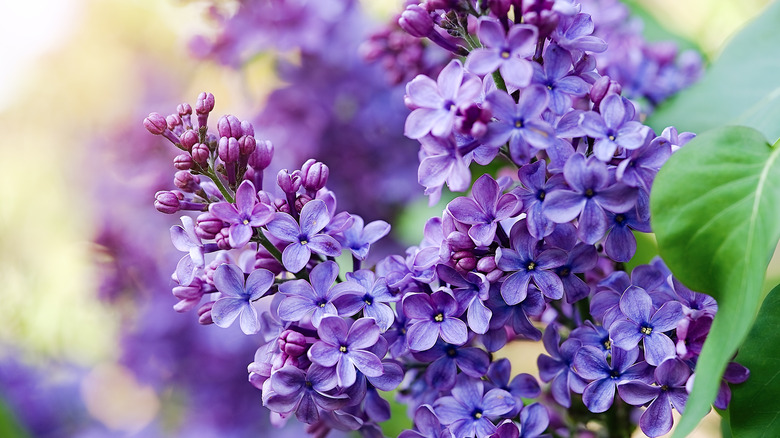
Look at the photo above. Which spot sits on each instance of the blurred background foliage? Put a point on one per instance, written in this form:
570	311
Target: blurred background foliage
76	75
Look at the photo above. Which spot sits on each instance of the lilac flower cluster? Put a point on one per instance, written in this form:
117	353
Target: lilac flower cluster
540	257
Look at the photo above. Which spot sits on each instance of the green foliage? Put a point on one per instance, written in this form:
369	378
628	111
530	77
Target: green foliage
398	421
741	87
715	206
755	407
9	427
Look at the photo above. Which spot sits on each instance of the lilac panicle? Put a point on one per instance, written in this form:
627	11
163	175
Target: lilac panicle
242	216
346	347
238	297
306	237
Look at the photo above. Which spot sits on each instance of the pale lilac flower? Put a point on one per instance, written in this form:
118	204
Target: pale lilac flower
358	239
345	347
468	410
242	216
313	299
510	54
614	127
185	239
237	297
431	316
484	210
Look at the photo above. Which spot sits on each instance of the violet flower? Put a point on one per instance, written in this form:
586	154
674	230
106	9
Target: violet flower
620	244
369	294
670	376
555	77
185	239
557	367
358	239
303	392
591	364
427	424
441	162
592	194
445	359
468	410
522	386
470	291
509	54
484	210
242	216
431	316
532	193
575	33
306	237
435	103
237	298
519	123
614	127
345	347
642	323
313	299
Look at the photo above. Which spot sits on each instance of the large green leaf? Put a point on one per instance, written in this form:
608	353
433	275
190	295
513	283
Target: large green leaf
741	87
715	206
755	406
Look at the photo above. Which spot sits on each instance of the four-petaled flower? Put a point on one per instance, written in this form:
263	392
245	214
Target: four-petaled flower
346	347
237	297
242	216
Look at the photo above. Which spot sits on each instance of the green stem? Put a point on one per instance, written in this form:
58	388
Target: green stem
222	189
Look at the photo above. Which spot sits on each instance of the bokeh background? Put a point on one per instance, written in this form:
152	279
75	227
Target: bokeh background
88	347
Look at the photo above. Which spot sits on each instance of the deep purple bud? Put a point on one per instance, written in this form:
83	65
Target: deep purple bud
247	128
204	313
173	121
207	226
155	123
416	21
499	8
203	107
314	175
192	292
186	181
289	183
200	154
262	155
246	145
222	239
464	261
184	109
229	126
228	149
167	202
301	201
292	343
486	264
188	139
603	87
183	162
460	241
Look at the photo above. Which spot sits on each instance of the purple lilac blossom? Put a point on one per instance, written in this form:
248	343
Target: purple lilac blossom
433	316
468	410
557	367
427	424
591	364
508	53
614	127
358	238
345	347
470	291
484	210
185	239
313	299
369	294
242	216
555	76
237	298
303	392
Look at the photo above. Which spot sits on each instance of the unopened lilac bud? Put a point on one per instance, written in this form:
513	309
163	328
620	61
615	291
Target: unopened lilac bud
486	264
228	149
246	145
292	343
247	128
155	123
493	276
200	154
167	202
188	139
203	106
603	87
314	175
288	182
184	109
192	292
301	201
262	155
173	121
416	21
207	226
229	126
459	241
222	239
185	305
499	8
281	205
204	313
464	261
183	162
186	181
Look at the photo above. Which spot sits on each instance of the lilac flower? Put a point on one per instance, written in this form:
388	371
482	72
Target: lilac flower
468	409
639	168
432	316
557	367
445	359
237	298
441	162
643	323
592	194
735	373
554	76
520	124
484	211
581	259
313	299
676	140
533	191
529	264
614	127
670	376
345	348
522	386
303	392
508	53
695	304
427	424
515	316
435	103
470	291
591	364
185	239
358	239
620	244
575	34
242	216
306	238
369	294
534	420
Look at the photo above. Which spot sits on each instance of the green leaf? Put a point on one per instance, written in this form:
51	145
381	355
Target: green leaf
741	87
715	205
755	406
9	426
